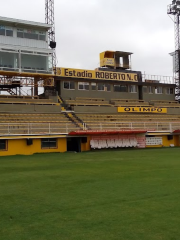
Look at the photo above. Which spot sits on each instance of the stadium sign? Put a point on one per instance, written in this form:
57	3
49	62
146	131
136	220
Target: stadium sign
97	75
142	109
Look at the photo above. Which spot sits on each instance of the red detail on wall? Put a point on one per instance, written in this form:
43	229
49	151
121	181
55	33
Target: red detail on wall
141	141
106	132
177	131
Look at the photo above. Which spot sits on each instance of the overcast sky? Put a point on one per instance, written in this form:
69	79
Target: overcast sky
84	28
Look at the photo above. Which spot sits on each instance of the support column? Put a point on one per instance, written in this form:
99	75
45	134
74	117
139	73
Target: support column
19	60
36	86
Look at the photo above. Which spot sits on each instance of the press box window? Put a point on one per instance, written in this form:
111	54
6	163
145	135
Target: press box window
6	31
145	89
150	88
31	34
93	86
49	143
158	90
120	88
69	85
169	91
83	86
3	145
2	31
9	32
20	33
42	37
133	89
104	87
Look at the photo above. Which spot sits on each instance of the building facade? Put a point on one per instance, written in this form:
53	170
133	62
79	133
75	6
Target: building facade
24	46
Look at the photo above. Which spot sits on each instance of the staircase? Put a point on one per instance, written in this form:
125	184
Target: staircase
11	92
62	103
20	93
74	120
71	115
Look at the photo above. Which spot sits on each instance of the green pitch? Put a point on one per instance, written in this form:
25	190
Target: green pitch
113	195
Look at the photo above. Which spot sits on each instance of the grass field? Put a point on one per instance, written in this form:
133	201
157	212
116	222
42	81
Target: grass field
113	195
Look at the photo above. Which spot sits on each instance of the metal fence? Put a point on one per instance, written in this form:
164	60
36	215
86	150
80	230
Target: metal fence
148	126
57	128
35	128
158	78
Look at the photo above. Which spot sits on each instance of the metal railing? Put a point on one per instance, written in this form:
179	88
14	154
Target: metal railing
158	78
147	126
10	129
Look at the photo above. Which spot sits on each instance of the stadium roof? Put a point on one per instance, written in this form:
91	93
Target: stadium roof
18	22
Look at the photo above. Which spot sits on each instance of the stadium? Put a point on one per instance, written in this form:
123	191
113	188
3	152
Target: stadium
110	107
89	154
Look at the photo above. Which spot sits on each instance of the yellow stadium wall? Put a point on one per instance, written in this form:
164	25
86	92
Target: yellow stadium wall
20	147
86	146
166	143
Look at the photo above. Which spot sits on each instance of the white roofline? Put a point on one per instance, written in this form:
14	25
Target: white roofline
25	22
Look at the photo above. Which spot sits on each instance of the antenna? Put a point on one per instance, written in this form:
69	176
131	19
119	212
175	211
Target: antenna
174	9
49	19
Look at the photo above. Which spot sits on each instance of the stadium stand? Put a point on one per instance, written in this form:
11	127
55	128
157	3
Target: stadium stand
37	122
128	121
79	110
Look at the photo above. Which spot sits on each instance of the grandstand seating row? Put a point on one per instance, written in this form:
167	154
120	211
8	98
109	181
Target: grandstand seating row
59	122
89	118
86	118
19	97
27	101
33	117
80	101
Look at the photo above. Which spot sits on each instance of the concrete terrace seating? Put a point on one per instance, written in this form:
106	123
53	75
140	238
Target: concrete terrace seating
128	102
21	97
90	99
37	123
32	117
115	121
127	117
26	101
165	103
88	102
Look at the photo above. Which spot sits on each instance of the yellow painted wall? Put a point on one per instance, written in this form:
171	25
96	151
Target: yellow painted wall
154	146
19	146
86	146
166	142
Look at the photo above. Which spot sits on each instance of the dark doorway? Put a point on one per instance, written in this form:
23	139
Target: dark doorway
74	144
58	87
140	90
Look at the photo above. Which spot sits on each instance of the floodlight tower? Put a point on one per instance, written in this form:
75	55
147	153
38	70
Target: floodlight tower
174	9
49	18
